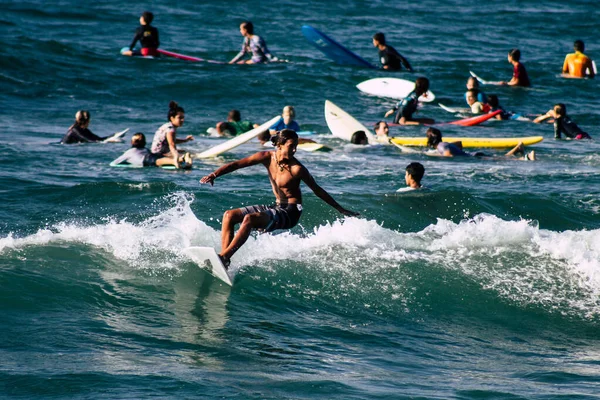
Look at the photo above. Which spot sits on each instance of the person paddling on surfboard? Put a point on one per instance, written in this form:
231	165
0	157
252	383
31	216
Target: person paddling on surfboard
252	44
139	156
147	35
389	57
520	77
563	123
578	65
165	139
79	132
407	107
285	173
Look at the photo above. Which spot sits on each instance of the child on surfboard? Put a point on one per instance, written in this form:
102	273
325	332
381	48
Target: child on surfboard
252	44
563	123
408	106
389	57
147	36
139	156
285	173
165	139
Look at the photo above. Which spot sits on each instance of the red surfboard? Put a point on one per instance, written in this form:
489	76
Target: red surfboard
476	120
187	58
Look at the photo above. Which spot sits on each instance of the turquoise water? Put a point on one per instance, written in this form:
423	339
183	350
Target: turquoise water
483	286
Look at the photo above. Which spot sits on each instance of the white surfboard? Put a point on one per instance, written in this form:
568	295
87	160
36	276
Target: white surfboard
392	88
314	147
483	81
236	141
454	110
116	138
343	125
207	257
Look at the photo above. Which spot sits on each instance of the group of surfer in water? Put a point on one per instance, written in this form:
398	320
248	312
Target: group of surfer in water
285	172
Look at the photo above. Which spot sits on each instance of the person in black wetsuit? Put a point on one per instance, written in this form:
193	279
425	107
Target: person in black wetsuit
147	35
563	124
390	59
79	132
408	106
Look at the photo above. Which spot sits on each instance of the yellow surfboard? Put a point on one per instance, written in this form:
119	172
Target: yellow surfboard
496	143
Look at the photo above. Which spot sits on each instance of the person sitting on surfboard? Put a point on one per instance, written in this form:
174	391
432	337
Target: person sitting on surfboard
577	64
563	123
147	35
446	149
407	107
234	125
79	132
252	44
165	139
390	59
473	84
140	156
520	77
414	175
285	173
286	121
477	107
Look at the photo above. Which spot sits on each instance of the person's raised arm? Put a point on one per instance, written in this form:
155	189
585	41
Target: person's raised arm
187	139
263	157
322	194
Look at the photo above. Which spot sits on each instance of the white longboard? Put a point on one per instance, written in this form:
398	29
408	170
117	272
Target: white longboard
483	81
392	88
207	257
454	110
236	141
116	138
343	125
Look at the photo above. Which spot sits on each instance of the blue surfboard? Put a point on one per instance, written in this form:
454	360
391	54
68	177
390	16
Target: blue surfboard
332	49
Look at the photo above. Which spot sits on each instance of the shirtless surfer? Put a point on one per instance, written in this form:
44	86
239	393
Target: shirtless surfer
285	174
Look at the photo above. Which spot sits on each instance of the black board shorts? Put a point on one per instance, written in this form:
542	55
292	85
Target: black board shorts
150	159
283	216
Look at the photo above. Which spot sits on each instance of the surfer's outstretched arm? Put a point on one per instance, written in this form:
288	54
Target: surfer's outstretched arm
322	194
263	157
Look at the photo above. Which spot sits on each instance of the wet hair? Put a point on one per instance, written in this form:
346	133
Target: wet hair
264	136
359	137
560	109
493	100
579	46
434	137
234	115
378	124
416	171
283	136
380	37
249	27
82	117
148	17
174	109
422	85
515	54
138	140
291	111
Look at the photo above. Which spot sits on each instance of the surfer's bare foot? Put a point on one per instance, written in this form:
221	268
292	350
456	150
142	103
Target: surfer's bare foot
187	159
225	261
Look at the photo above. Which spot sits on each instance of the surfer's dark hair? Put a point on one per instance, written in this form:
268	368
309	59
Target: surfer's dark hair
283	136
579	46
234	115
174	109
264	136
148	17
515	54
380	37
434	137
359	137
378	124
560	108
249	27
138	140
416	170
493	100
421	85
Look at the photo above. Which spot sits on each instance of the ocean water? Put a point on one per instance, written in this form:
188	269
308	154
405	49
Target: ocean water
483	286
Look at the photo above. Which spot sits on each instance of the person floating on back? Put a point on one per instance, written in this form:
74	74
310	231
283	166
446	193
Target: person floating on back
286	121
407	107
147	36
234	125
520	77
285	173
473	84
390	59
252	44
79	132
140	156
578	65
165	139
563	123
